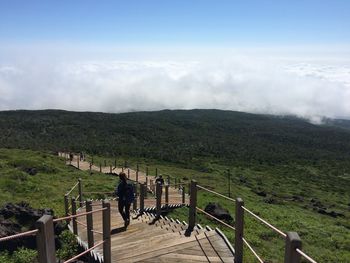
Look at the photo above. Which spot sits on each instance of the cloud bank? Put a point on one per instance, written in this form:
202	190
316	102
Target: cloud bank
310	90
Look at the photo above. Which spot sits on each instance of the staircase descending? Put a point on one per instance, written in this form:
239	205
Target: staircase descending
149	240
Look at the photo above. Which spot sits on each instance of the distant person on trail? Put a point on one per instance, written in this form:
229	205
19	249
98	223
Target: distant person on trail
160	180
125	193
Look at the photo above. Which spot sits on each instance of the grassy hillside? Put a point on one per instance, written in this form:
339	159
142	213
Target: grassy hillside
292	197
291	200
293	173
51	181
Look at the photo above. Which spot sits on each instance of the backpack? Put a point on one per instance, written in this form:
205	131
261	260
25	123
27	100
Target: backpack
130	193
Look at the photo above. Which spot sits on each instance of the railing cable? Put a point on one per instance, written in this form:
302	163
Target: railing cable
83	253
97	232
28	233
252	250
72	188
305	256
81	223
78	215
213	192
265	222
215	218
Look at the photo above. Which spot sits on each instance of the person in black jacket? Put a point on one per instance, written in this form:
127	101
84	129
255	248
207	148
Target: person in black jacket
125	193
160	180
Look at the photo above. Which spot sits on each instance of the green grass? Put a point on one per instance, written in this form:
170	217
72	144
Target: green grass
287	205
46	189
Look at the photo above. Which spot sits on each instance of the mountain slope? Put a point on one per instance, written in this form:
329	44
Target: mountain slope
181	136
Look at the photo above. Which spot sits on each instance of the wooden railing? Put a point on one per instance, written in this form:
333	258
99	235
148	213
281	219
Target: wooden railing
45	238
293	244
292	254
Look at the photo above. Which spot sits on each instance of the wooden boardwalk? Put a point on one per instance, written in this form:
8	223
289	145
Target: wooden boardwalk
175	194
161	241
151	239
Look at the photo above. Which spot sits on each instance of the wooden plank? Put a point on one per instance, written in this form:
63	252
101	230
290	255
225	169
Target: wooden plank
160	242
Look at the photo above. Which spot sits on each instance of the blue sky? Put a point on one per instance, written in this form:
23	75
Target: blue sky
260	56
180	22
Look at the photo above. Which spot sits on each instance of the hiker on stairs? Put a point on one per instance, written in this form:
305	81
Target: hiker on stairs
125	193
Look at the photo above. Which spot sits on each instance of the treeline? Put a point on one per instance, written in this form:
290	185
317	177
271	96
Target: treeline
178	136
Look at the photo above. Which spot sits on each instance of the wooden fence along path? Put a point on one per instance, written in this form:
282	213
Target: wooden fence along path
150	237
174	193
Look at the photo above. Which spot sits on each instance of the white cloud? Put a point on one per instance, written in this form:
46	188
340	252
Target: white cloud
311	90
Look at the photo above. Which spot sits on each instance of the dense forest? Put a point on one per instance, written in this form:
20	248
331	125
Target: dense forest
179	136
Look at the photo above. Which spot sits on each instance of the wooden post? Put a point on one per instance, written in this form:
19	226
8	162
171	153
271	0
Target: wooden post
106	218
66	206
166	194
159	198
122	169
78	159
74	212
110	169
80	187
193	204
175	183
128	173
137	172
92	160
146	189
100	168
70	160
168	179
115	162
229	182
239	225
146	171
143	190
183	195
45	240
89	223
90	168
146	179
151	185
134	206
293	242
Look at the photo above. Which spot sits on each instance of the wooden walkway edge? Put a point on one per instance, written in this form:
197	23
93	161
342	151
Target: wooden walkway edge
150	239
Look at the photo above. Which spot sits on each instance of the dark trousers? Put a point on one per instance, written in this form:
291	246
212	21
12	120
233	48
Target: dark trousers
124	209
